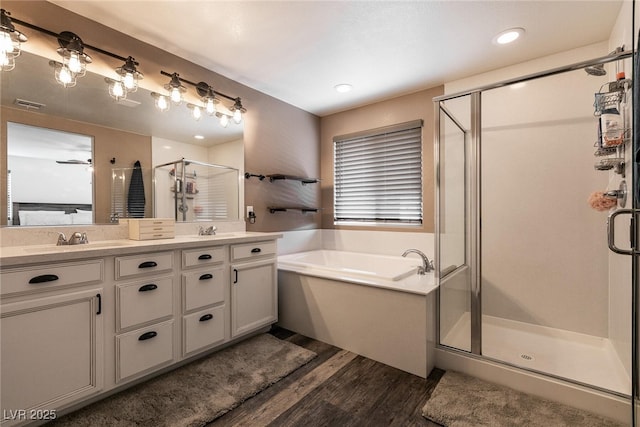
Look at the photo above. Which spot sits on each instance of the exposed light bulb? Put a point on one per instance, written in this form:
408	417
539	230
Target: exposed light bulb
161	103
6	44
117	90
129	74
74	64
196	112
7	61
237	116
130	82
65	77
10	40
224	120
210	106
176	95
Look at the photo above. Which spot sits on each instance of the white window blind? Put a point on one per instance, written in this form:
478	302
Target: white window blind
378	175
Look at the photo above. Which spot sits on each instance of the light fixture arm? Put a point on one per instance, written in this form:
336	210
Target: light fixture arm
200	86
66	37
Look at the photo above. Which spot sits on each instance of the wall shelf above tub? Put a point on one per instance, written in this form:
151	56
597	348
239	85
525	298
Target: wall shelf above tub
303	180
303	209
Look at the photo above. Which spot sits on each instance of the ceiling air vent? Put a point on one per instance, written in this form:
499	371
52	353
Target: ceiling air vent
29	105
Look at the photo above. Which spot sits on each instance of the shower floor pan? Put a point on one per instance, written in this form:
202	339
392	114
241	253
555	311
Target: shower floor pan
583	358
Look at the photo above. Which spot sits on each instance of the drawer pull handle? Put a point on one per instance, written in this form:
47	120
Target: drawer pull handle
205	256
44	278
206	317
147	335
148	264
256	250
149	287
206	276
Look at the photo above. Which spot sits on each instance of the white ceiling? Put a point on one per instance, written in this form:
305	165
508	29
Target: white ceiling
297	51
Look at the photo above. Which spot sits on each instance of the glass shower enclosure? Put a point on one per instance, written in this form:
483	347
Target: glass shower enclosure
527	179
190	190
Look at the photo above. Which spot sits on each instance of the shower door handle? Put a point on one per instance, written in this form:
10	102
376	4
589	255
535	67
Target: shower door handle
611	231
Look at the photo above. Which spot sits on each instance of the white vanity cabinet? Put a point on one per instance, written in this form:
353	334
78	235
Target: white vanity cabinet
205	293
144	314
254	296
78	323
52	338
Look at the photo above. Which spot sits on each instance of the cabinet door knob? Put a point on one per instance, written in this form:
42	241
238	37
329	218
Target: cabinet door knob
206	317
206	276
148	264
256	250
205	256
44	278
147	335
149	287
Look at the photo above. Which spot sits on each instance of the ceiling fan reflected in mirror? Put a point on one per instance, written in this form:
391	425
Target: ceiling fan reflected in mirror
74	162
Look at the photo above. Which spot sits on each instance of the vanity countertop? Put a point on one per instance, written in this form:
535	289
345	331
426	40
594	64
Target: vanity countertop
36	254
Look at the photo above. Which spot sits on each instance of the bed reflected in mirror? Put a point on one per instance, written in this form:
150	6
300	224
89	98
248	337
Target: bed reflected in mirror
50	176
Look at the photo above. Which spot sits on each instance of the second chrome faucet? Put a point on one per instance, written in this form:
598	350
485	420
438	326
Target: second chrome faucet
76	238
427	264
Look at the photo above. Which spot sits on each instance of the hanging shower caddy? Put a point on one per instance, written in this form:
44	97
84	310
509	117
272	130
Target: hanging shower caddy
613	131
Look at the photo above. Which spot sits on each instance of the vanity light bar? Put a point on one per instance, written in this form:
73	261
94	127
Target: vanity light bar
71	47
205	91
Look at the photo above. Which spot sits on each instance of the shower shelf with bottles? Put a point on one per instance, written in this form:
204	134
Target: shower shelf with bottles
613	132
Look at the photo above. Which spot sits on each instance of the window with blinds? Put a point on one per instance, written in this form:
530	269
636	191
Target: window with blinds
378	175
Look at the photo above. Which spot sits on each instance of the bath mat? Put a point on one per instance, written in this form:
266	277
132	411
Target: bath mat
463	401
199	392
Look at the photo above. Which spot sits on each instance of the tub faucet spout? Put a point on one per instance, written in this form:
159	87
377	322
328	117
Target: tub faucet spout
427	265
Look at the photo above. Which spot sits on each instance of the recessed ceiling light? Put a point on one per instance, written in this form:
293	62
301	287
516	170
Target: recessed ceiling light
198	136
343	87
508	36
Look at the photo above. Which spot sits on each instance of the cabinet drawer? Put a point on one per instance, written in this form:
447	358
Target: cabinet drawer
203	256
143	302
151	228
202	288
144	349
203	328
33	279
155	234
144	264
253	250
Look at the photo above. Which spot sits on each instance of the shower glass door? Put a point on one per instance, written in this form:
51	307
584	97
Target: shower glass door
453	260
554	298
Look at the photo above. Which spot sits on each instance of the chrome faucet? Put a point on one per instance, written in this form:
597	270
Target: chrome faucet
209	231
427	265
76	238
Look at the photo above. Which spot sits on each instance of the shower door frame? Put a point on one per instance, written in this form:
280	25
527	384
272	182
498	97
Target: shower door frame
474	221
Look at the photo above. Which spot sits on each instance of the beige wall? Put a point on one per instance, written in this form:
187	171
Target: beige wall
279	138
125	147
414	106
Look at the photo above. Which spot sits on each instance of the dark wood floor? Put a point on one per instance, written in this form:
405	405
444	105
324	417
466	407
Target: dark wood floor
337	388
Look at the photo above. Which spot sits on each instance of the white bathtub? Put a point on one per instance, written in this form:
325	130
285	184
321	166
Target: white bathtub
373	305
392	272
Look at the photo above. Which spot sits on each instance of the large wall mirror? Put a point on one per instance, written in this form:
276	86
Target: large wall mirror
118	134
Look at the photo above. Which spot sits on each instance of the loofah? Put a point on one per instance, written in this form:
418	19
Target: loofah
600	202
